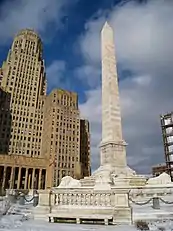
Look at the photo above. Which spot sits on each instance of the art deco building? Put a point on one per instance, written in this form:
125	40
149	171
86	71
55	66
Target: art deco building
167	134
23	79
39	134
61	136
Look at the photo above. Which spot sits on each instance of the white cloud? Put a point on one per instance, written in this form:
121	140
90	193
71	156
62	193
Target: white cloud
89	72
19	14
143	35
90	41
55	75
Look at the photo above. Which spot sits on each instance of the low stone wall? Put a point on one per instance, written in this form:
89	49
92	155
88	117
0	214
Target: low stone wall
112	206
78	198
85	204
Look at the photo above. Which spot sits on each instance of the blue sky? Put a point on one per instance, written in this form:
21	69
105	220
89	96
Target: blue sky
70	30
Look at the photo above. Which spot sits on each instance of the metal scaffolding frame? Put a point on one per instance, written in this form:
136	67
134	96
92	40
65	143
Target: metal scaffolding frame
167	134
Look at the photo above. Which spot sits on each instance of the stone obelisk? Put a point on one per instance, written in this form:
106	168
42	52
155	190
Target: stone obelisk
113	147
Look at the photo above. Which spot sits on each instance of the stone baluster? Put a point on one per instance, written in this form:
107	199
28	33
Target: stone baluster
69	198
60	199
94	199
102	199
85	202
72	199
97	199
78	199
66	202
62	196
64	199
91	199
87	199
56	199
82	199
75	199
108	201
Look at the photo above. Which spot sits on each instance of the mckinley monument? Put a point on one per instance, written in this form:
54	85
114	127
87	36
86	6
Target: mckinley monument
105	194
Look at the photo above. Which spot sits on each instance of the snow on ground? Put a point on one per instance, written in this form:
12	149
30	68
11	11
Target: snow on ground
16	223
4	205
43	226
19	218
146	212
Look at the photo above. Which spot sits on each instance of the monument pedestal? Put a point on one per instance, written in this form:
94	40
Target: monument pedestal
114	177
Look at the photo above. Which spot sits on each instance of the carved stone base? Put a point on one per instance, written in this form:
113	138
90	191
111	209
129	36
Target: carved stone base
115	176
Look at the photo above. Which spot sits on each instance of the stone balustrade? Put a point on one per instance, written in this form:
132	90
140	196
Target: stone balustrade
87	203
84	199
81	204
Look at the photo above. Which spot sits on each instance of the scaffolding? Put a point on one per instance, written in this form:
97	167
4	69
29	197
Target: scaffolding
167	134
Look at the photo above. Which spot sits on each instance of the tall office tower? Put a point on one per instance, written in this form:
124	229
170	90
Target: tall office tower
5	121
24	78
167	134
61	134
85	148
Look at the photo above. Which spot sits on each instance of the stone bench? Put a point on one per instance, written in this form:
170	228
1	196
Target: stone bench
80	218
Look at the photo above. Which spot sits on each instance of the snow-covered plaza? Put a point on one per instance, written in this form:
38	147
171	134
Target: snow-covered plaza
20	218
